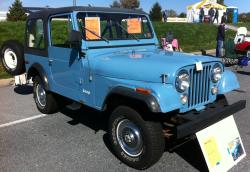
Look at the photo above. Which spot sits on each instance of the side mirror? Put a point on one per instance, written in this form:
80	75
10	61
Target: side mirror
75	39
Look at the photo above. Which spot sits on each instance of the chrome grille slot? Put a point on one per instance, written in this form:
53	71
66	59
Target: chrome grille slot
199	86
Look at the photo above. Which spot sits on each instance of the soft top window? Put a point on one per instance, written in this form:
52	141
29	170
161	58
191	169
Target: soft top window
35	34
113	26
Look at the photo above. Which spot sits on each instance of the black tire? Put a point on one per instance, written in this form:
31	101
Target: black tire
50	104
151	133
223	99
248	52
13	49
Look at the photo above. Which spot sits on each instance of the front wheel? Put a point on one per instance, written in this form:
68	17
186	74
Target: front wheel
45	101
136	142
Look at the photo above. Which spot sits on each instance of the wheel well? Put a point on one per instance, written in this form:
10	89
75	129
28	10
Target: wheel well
32	73
116	100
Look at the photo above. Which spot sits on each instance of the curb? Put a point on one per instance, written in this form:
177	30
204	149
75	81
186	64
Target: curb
6	82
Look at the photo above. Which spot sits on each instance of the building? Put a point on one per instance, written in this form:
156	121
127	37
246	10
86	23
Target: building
193	11
3	15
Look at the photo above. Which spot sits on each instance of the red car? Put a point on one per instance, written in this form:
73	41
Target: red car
242	42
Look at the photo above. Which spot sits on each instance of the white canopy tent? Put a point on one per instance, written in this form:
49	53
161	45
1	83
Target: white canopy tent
193	11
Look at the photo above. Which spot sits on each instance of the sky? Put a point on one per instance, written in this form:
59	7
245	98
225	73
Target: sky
177	5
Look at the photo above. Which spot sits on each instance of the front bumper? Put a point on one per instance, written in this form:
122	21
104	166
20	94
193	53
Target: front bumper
194	121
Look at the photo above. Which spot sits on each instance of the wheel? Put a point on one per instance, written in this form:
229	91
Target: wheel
12	57
45	101
248	52
136	142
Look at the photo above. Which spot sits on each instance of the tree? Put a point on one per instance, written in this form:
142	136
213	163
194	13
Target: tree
131	4
16	12
115	4
183	15
220	2
244	17
171	13
155	12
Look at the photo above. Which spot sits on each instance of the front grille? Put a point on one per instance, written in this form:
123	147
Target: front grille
199	86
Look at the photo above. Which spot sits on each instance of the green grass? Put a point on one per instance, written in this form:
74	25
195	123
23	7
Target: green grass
3	74
245	24
192	37
11	30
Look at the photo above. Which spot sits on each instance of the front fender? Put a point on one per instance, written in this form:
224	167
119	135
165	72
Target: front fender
167	97
228	82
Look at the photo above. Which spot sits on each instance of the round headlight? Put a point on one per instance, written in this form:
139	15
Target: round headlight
216	73
182	81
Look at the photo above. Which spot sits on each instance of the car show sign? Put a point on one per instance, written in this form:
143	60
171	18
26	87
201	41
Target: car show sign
93	24
134	25
221	145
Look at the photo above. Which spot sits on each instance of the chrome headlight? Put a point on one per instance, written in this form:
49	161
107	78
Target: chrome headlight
216	73
182	81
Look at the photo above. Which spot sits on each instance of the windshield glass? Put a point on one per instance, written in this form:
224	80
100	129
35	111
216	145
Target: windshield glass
113	26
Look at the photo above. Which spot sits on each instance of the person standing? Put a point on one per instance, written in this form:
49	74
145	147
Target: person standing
220	39
202	13
211	15
224	18
216	16
165	16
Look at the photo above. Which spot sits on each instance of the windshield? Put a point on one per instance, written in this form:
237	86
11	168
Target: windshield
113	26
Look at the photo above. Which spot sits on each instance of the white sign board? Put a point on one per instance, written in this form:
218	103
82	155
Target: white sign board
213	1
221	145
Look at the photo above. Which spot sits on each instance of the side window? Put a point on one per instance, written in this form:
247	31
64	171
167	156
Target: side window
61	27
35	34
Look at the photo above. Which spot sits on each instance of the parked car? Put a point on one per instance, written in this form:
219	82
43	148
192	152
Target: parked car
109	59
242	41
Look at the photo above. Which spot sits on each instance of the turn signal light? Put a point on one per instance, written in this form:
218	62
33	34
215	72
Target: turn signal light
143	91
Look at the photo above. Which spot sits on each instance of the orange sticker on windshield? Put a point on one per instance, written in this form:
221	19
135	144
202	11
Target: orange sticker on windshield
134	25
93	28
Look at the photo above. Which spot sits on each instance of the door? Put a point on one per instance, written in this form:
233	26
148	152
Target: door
65	64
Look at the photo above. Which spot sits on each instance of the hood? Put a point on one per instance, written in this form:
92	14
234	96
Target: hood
147	66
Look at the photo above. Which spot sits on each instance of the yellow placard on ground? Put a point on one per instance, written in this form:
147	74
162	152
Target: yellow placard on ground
134	25
212	151
93	24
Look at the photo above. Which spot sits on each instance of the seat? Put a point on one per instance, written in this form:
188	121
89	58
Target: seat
240	35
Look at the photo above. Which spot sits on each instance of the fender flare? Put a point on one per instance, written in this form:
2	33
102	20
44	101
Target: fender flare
148	99
37	67
229	82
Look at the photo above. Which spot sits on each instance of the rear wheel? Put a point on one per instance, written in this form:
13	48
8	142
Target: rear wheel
248	52
135	142
45	101
12	57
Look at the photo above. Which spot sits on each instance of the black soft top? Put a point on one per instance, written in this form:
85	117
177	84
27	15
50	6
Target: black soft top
46	12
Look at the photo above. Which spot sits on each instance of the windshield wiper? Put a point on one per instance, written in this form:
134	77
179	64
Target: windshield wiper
135	37
101	37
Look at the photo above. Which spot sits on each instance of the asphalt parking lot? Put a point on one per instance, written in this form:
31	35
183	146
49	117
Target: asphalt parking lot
77	140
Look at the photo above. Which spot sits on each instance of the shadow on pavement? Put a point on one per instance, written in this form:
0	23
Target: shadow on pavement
191	152
243	72
24	89
88	117
95	120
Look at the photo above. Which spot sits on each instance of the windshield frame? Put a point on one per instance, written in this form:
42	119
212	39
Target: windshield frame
130	38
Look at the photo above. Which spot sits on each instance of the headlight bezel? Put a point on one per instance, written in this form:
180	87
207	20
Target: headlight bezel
216	73
182	81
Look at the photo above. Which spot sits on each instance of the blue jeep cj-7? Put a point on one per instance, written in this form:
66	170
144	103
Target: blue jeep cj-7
109	59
